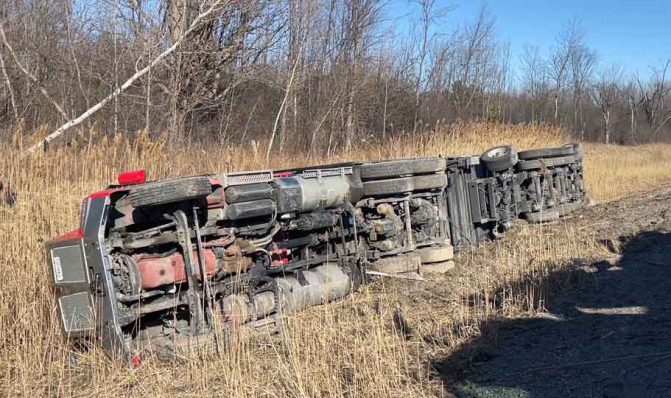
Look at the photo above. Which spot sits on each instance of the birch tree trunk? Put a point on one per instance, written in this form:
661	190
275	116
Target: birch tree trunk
95	108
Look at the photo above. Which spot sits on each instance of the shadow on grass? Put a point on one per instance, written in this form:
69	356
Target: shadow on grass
607	336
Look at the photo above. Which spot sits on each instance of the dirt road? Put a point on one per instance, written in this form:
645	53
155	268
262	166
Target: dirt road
606	334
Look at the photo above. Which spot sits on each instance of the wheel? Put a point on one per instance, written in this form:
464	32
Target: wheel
405	184
499	158
438	268
566	150
567	208
396	168
542	216
436	254
168	191
538	164
397	264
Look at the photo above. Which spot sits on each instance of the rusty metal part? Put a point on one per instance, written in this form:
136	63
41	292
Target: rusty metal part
235	265
157	271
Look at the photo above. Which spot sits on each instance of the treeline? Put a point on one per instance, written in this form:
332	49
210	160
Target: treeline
311	75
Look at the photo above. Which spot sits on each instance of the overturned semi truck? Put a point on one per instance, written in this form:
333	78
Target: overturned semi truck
160	263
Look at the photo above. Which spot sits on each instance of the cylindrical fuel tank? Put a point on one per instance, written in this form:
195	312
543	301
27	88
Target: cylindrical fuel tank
324	283
249	192
351	171
256	208
298	194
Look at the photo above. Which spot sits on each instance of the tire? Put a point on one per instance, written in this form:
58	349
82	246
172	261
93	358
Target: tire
436	254
396	168
405	184
168	191
538	217
569	208
499	158
397	264
438	268
538	164
566	150
578	149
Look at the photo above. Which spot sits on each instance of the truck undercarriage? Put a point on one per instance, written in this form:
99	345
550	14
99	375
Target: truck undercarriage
157	263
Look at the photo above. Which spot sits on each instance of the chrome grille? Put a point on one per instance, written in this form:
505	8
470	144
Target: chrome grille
247	177
76	312
68	264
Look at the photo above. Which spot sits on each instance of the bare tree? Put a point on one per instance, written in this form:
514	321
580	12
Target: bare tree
197	20
654	97
633	97
534	81
361	19
8	83
281	112
29	75
560	62
310	75
429	15
476	63
606	93
583	61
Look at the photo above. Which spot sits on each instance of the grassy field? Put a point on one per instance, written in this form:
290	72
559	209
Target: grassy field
349	348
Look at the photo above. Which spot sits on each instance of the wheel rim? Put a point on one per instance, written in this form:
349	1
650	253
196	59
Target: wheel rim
497	153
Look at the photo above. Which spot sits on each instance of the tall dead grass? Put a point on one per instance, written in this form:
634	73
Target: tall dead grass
614	171
348	348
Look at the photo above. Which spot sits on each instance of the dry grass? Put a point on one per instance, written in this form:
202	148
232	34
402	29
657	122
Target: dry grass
614	171
347	348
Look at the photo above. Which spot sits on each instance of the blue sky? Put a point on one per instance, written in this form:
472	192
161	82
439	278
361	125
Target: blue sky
631	34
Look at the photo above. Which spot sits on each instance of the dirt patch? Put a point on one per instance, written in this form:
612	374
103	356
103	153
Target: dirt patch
603	334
